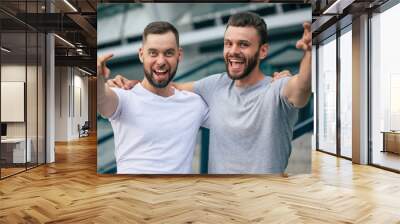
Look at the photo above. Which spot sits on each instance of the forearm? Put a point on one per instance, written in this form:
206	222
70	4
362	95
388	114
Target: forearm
188	86
298	88
107	100
304	76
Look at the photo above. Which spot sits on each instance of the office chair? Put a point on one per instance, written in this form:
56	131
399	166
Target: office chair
84	130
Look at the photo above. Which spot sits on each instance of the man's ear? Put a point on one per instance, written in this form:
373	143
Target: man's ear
180	51
263	51
141	54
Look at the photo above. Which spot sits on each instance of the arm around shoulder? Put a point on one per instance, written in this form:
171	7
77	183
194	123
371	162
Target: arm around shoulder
188	86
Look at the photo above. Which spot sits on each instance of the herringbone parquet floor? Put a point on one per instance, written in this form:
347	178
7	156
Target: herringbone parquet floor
70	191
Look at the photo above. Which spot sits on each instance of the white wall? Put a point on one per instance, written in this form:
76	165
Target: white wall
33	126
13	73
79	117
69	85
16	72
61	103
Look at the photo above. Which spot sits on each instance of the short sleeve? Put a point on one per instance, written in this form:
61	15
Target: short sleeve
284	100
205	87
285	106
121	94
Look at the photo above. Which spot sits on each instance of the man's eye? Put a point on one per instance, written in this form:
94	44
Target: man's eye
244	45
169	53
152	53
228	43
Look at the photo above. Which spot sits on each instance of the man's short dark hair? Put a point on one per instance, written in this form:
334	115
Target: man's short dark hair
249	19
160	27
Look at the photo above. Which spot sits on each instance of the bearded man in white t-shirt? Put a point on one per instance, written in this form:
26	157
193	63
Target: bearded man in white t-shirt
154	124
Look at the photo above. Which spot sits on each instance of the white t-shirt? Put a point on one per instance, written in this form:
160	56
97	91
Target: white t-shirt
155	134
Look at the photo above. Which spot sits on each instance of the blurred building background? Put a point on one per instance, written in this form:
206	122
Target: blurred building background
201	27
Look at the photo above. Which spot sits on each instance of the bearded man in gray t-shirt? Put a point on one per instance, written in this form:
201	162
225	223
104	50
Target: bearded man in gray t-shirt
251	119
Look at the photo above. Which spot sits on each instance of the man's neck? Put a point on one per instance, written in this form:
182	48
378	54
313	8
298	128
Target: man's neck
164	92
253	78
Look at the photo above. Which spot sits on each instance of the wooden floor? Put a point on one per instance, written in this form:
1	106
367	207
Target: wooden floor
70	191
10	171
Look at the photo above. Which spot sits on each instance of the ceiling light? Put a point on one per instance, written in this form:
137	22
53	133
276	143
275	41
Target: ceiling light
84	71
70	5
65	41
5	49
333	8
337	7
79	51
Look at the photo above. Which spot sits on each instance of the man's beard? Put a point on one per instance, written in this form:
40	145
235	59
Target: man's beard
149	76
251	64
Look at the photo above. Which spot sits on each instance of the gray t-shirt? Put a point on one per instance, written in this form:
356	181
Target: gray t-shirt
251	128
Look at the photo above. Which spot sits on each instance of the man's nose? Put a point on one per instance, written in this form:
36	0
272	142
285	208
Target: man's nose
234	50
160	60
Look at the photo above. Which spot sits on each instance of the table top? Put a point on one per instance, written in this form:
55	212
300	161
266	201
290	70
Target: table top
13	140
391	132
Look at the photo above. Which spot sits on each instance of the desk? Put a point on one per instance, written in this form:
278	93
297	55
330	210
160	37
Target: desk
16	147
391	141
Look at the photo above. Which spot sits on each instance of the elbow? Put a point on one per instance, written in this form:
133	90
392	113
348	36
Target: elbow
103	108
101	111
301	100
301	104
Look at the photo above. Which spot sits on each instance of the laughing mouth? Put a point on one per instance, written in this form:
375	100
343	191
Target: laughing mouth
235	62
160	72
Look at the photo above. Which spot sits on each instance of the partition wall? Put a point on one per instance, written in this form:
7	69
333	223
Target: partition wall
22	77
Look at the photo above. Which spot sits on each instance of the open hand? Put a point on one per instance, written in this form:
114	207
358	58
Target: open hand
305	43
102	69
282	74
121	82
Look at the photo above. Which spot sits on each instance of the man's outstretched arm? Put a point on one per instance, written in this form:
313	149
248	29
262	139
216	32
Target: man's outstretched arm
107	100
298	88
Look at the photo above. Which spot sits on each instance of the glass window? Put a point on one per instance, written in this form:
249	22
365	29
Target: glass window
14	150
346	93
327	96
385	89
